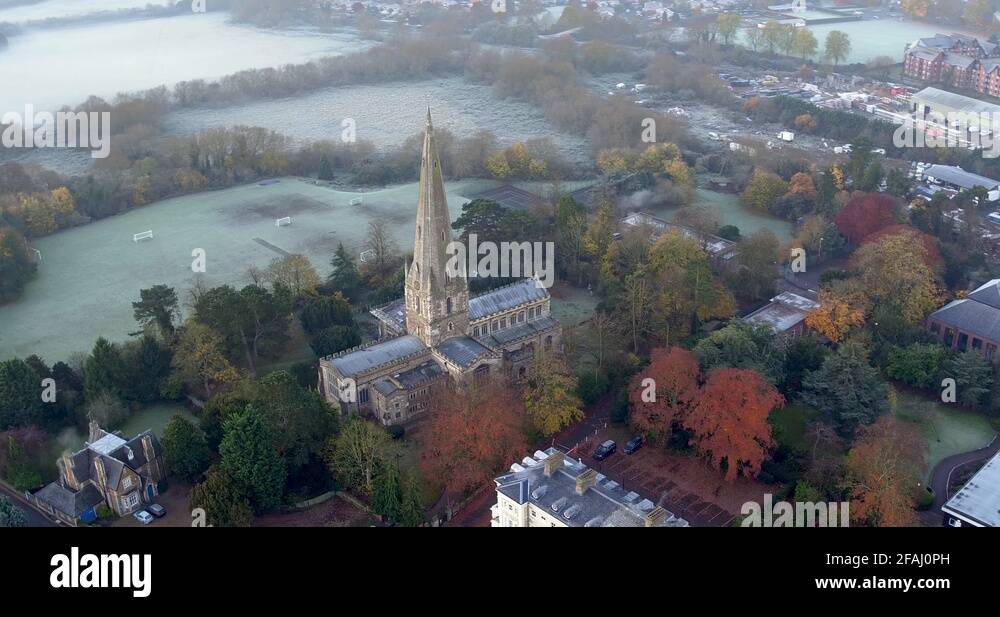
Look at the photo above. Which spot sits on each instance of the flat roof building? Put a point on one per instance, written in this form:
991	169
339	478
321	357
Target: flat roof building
550	489
786	312
977	504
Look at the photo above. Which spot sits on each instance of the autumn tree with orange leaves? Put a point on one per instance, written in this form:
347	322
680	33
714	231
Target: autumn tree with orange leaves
834	317
866	214
884	469
472	434
729	422
676	374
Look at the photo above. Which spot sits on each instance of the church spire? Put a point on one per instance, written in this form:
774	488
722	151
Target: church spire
436	303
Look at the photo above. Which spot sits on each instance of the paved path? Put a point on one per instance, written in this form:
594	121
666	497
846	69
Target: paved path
941	475
35	518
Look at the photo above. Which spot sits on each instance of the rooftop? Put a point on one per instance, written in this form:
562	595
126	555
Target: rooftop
462	350
959	177
783	312
505	298
714	245
364	359
604	504
979	499
937	98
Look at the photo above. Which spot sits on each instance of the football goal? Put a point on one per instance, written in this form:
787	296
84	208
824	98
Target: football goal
287	220
146	235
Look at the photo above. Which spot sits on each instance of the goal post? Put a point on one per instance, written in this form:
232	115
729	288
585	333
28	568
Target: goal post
283	221
145	235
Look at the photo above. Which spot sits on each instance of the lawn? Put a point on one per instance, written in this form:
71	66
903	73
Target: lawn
789	425
155	418
947	429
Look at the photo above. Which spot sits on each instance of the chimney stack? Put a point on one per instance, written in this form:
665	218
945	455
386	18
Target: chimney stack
553	462
655	516
585	480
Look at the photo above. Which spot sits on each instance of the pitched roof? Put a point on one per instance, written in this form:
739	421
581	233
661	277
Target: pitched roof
384	352
505	298
70	502
527	329
978	314
462	350
960	177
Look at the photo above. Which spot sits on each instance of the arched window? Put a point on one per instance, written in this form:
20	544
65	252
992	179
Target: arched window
448	306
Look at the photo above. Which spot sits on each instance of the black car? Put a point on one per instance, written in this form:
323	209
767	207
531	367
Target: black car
605	450
633	444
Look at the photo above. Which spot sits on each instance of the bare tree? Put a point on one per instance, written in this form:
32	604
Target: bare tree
381	244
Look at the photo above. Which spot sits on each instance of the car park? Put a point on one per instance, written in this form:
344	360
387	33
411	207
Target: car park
157	510
633	444
605	450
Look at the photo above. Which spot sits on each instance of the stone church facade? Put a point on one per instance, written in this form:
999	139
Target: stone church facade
436	331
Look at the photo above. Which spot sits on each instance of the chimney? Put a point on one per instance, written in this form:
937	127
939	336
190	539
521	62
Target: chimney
553	462
655	516
585	480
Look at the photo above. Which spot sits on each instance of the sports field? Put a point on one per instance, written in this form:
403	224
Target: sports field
90	275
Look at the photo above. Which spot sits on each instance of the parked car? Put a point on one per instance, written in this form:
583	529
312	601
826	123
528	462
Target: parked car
157	510
605	450
633	444
143	517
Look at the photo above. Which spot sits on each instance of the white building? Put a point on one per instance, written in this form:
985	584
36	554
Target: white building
551	490
977	504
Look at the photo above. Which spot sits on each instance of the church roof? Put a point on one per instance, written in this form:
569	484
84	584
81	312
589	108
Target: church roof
385	352
505	298
524	330
462	350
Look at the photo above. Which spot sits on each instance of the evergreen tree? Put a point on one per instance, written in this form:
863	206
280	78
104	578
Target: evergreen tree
344	277
847	389
20	394
104	371
411	512
248	455
387	499
184	449
973	377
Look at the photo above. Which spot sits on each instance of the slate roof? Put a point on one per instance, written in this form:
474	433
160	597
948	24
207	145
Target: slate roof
393	314
505	298
407	380
70	502
976	314
527	329
385	352
605	504
462	350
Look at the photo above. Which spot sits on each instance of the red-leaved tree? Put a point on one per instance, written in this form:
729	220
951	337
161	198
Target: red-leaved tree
729	420
676	375
472	434
865	214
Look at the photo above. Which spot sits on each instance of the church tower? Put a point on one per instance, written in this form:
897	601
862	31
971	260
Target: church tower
437	305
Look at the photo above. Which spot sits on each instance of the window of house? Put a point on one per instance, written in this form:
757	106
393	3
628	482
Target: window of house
977	344
935	327
127	482
963	341
130	501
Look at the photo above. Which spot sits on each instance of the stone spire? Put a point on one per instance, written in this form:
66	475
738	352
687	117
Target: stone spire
436	303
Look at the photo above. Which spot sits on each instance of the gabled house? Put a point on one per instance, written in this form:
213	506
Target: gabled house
120	473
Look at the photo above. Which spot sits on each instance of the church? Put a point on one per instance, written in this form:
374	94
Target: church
436	331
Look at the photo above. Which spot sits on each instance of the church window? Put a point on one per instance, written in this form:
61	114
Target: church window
520	317
363	395
449	307
496	325
418	232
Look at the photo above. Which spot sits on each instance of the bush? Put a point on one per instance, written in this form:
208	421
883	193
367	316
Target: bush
591	387
396	431
105	513
925	500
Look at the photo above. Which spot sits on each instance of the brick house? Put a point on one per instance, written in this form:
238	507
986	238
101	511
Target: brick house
109	470
970	323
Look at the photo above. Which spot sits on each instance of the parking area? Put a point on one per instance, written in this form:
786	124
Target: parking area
681	483
174	501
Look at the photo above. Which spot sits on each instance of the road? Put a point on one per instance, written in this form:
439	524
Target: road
941	477
35	518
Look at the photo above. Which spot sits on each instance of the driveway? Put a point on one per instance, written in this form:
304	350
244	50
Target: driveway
941	477
35	518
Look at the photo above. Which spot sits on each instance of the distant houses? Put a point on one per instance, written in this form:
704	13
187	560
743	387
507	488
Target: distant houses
959	60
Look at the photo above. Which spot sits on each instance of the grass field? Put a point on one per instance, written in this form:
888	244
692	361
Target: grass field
90	275
789	425
728	210
947	430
